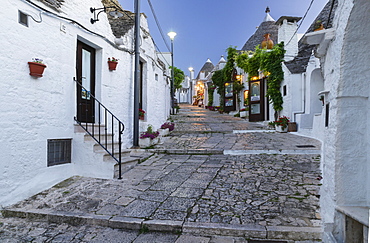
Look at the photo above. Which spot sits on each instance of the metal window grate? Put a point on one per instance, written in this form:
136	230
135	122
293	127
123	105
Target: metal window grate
23	18
59	151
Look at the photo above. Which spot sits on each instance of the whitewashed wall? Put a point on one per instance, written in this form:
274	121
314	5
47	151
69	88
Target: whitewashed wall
346	160
34	110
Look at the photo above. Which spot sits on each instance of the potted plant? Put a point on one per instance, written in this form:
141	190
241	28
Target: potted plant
149	137
168	125
141	114
322	100
36	67
112	63
243	112
318	25
281	124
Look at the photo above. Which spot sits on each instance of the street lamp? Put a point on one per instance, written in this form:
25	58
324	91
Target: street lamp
172	37
191	70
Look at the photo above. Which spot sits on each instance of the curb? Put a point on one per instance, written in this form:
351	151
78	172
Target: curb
204	229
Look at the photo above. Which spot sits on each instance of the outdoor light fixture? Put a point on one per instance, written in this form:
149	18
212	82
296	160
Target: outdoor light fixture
114	13
172	37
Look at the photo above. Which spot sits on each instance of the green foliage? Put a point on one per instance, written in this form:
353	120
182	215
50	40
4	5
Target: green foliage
179	76
211	90
269	62
230	64
218	80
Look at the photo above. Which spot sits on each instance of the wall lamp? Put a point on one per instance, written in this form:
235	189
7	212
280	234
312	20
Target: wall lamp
115	14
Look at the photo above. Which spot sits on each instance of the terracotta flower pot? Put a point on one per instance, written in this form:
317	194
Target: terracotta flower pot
36	69
112	65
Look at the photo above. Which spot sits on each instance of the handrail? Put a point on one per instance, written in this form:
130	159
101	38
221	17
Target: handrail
109	119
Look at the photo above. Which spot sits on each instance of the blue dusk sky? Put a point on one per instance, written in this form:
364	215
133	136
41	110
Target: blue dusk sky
206	28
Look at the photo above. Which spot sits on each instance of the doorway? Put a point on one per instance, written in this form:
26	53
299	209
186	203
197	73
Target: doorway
85	68
257	100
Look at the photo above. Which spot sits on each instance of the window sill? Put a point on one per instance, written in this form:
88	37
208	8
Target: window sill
360	214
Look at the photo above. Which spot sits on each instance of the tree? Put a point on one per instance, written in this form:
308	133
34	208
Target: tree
179	77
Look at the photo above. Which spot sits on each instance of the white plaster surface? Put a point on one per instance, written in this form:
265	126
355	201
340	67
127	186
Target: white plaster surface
34	110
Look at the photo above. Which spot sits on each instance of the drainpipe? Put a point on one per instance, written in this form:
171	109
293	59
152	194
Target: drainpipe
136	75
302	111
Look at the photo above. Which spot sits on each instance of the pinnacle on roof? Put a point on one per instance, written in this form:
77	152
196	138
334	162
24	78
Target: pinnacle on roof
222	59
268	26
268	16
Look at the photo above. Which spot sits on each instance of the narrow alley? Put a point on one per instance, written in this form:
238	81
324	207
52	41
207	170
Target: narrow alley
215	178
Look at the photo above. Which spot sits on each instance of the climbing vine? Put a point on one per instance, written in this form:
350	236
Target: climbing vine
218	81
271	63
226	75
211	90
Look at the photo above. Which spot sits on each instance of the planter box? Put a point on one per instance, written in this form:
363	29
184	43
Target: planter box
292	127
243	113
147	142
280	129
112	65
36	69
163	132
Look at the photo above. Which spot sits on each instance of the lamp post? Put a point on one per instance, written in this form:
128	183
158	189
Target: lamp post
172	37
191	70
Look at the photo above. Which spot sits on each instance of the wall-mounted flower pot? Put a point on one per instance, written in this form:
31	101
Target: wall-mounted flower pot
36	69
112	65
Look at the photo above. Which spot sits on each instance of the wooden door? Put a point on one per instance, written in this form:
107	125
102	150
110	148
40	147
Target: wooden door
85	68
257	100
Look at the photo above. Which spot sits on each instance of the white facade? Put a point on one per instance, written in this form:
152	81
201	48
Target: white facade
34	110
345	192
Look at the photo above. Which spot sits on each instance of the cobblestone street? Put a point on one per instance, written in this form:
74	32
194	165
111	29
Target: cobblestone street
215	178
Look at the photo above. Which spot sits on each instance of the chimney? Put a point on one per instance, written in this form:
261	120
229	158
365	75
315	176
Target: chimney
287	32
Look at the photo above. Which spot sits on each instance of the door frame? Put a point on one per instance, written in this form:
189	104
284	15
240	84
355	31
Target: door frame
255	102
85	107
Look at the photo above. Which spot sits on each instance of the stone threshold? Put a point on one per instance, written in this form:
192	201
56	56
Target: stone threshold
294	151
204	229
252	131
187	151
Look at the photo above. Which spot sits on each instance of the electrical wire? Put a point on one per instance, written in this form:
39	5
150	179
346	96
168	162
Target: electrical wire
308	9
37	21
81	26
158	25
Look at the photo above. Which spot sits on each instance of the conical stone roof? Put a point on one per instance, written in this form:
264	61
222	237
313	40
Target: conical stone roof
207	68
300	62
268	26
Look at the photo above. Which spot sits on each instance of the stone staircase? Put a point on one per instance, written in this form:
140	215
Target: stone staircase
129	158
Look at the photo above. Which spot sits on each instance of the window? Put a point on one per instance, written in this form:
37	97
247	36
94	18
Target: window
284	90
59	151
23	18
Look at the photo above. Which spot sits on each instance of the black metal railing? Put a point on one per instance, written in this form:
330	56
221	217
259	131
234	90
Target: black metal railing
107	125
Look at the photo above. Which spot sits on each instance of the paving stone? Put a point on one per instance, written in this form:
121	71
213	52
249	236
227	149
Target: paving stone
266	186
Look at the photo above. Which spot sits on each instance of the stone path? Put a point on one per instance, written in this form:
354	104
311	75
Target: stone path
216	178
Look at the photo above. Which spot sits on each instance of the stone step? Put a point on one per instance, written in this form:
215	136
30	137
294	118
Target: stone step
126	164
98	148
255	232
79	129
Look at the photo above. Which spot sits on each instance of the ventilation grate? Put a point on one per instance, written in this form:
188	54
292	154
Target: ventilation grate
306	146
